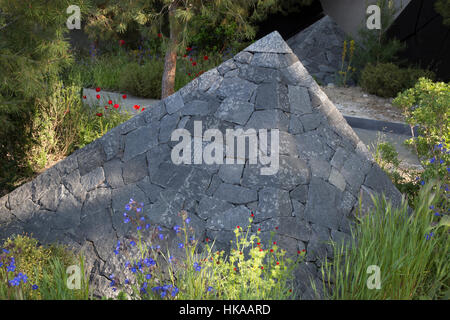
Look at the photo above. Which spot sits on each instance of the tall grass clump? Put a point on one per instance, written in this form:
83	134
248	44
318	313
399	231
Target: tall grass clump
412	252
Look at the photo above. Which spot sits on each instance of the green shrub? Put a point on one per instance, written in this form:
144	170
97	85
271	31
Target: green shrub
43	266
387	79
443	8
427	105
412	253
142	80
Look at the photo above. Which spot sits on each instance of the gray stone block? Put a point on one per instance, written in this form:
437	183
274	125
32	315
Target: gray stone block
93	179
237	88
174	103
273	203
272	43
321	207
299	100
235	110
135	169
235	194
209	206
140	141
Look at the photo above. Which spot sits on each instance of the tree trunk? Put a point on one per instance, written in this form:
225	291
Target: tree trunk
170	60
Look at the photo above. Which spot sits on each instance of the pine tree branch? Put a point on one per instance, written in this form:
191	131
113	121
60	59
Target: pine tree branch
8	24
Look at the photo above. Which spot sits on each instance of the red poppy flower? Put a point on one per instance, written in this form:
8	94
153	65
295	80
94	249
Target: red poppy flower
97	89
116	106
124	96
84	97
190	59
259	229
99	114
262	268
159	35
252	215
276	228
189	74
238	227
207	239
110	102
97	96
121	42
271	250
275	242
106	107
188	49
278	263
205	57
194	63
185	55
136	107
142	109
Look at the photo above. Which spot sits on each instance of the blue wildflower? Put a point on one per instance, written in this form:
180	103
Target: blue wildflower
35	287
147	226
126	220
138	210
138	228
209	289
177	228
197	267
187	220
161	236
180	245
432	160
5	251
116	252
142	218
148	276
128	207
132	243
174	291
127	281
133	270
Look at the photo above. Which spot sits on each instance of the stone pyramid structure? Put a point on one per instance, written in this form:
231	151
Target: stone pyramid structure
319	48
323	168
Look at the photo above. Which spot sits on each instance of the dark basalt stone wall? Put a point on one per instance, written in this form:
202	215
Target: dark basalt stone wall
427	39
